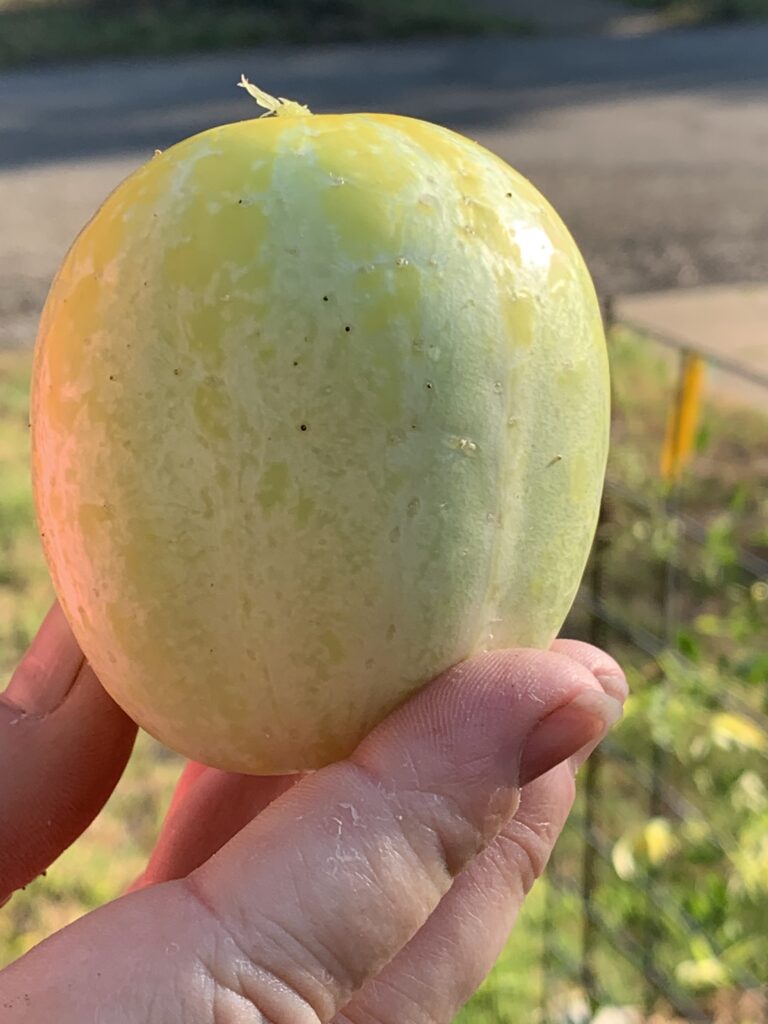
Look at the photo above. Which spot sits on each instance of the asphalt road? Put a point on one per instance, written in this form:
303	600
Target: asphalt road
654	149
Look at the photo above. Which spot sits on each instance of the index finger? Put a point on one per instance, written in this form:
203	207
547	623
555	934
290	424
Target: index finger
63	746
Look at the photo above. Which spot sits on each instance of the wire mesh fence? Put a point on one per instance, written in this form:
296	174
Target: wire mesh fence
657	895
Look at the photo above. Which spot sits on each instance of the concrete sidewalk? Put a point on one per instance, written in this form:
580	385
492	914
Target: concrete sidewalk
729	324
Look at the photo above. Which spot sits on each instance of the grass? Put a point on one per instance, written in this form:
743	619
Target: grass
699	12
33	32
25	591
712	760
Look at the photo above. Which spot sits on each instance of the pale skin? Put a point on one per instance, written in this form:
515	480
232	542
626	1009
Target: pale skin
376	891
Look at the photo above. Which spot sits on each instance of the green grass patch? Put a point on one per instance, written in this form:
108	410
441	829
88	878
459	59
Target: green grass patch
25	590
32	32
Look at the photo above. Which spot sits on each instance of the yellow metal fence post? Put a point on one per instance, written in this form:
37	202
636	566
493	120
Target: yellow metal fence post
683	419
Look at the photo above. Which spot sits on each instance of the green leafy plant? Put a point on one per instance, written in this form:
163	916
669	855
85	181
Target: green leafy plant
36	31
700	11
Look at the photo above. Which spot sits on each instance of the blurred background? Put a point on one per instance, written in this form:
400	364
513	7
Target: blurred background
646	124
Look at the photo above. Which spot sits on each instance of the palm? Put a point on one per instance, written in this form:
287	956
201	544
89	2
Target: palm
210	806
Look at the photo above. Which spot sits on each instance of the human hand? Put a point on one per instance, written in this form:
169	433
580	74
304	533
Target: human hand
379	889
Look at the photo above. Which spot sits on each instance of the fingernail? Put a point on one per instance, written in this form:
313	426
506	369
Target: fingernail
48	670
615	685
567	732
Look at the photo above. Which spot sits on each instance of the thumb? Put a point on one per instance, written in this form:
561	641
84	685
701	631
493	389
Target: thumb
317	894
